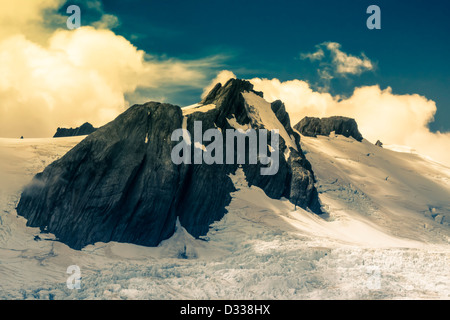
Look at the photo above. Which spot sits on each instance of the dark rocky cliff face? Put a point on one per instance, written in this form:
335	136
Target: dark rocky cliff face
112	185
84	129
311	127
120	183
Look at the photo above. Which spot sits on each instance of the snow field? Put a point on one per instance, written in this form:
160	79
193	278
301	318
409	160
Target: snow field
373	243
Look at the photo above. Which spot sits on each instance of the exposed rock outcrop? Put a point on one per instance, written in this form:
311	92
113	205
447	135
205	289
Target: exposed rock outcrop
311	127
84	129
120	183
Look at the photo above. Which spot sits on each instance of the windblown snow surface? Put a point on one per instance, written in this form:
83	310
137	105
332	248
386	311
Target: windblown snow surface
377	241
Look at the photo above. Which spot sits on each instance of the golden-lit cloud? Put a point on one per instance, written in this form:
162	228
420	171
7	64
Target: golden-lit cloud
380	114
28	18
346	63
60	77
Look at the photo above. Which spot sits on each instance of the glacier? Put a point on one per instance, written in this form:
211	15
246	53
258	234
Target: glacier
378	240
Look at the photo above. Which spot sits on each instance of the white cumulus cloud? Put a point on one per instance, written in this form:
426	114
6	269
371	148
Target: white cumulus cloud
336	63
380	113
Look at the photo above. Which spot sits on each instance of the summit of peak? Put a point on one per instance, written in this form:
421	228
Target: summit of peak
231	87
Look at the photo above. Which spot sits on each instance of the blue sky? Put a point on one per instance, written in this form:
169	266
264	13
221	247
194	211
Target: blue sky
265	38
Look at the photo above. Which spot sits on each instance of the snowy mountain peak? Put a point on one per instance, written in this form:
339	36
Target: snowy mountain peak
122	184
242	107
230	90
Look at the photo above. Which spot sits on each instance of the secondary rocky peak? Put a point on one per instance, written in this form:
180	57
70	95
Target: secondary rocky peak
311	127
85	129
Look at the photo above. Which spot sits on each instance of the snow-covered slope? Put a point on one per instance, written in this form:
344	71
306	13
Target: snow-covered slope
261	112
378	240
398	192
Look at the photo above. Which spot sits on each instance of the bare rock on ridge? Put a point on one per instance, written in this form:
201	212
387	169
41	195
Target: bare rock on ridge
312	126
